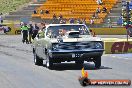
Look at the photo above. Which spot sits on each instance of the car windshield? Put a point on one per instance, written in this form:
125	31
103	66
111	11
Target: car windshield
61	30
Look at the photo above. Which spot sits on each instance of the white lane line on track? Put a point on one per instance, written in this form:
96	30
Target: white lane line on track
126	58
118	57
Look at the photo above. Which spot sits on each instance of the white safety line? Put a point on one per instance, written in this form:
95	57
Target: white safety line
119	57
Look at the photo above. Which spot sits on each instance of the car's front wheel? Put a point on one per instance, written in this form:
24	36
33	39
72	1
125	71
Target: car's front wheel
97	62
37	60
49	62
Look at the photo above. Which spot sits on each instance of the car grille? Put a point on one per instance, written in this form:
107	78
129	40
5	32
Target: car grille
72	46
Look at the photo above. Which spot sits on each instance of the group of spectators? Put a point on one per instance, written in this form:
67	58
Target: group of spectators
72	20
98	11
41	12
58	19
30	31
78	21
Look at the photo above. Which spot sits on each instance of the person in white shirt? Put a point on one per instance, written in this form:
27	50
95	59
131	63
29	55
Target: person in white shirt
99	2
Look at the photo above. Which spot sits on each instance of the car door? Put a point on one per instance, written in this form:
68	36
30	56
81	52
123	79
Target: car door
38	47
41	45
43	48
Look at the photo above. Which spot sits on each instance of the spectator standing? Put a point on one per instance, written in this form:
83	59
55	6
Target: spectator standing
30	32
35	31
120	21
41	11
72	21
104	10
92	21
60	17
62	21
78	21
24	29
98	10
109	22
54	16
43	25
99	2
1	20
55	20
35	12
47	11
84	20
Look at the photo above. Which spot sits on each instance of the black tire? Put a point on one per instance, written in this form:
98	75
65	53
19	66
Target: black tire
97	62
49	63
37	60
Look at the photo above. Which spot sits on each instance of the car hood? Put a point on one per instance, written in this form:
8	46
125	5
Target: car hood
77	39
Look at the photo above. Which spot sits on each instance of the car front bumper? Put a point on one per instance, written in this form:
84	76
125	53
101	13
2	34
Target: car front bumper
73	55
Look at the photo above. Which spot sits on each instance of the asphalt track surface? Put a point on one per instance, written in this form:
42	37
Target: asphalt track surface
17	69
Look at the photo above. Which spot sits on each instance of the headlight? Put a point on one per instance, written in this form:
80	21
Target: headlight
55	46
98	45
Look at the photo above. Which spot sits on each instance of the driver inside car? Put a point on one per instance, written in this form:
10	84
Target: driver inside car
61	32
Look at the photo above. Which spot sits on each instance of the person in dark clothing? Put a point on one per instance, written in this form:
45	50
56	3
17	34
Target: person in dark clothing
54	16
35	12
54	19
24	29
30	32
71	20
60	16
35	31
104	10
47	11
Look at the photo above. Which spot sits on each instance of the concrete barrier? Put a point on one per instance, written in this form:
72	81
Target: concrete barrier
116	46
109	31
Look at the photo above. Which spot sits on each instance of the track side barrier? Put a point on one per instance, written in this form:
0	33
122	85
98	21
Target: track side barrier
118	47
109	31
98	31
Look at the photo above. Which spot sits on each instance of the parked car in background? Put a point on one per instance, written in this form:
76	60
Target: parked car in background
4	29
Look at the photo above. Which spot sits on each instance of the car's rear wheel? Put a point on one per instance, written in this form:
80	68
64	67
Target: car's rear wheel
97	62
37	60
49	62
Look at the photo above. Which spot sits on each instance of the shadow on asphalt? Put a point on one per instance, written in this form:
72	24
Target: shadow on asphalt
73	66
